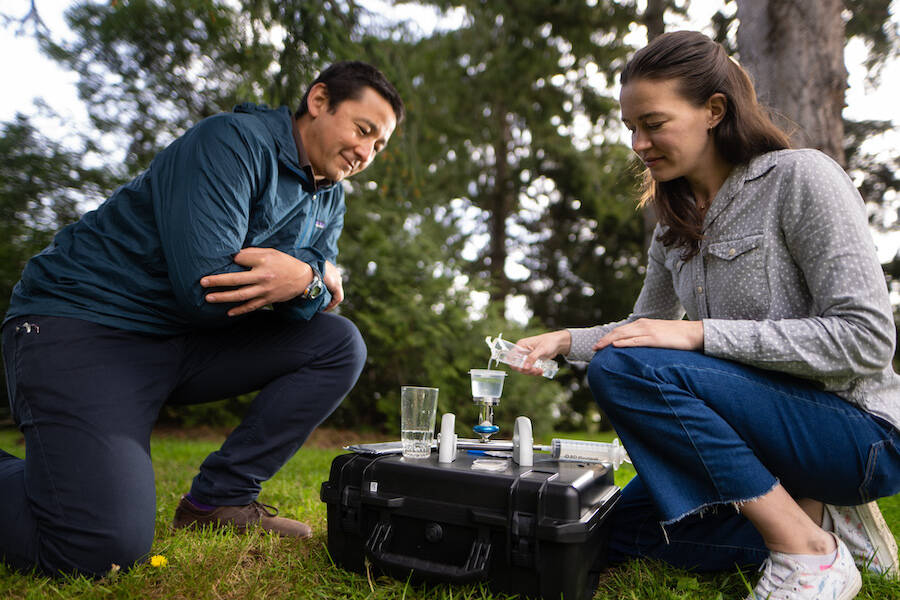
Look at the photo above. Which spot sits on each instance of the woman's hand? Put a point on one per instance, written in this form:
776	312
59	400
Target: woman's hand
546	345
655	333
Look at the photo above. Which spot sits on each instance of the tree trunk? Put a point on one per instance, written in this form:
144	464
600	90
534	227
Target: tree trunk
654	20
794	50
501	204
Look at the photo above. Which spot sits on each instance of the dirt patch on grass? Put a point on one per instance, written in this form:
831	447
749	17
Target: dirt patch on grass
329	437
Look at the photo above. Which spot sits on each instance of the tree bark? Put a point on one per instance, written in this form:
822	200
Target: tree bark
501	204
794	51
654	20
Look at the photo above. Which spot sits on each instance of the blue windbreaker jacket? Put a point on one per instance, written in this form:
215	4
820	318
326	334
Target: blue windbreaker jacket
232	181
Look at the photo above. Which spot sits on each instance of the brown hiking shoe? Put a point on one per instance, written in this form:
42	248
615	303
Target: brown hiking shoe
239	517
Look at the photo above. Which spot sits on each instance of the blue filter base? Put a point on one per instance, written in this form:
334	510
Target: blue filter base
485	429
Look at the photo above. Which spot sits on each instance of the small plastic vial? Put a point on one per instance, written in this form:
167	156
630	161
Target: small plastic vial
510	354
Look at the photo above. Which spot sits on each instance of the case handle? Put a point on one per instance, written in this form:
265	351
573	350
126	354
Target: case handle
475	568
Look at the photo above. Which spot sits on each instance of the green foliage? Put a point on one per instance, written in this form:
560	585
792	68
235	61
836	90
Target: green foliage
871	21
506	158
488	152
880	175
150	69
499	100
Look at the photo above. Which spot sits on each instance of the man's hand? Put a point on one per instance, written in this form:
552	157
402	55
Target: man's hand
273	277
655	333
332	279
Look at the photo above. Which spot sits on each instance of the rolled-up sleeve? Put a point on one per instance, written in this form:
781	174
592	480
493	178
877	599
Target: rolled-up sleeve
203	186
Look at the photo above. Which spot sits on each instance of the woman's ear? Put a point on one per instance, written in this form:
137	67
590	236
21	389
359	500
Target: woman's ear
717	105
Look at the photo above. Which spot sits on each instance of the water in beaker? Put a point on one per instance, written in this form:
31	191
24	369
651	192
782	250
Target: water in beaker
487	383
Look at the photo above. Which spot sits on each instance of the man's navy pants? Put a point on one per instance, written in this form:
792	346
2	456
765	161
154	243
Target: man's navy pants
86	398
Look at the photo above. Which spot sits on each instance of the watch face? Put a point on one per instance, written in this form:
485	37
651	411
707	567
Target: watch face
315	290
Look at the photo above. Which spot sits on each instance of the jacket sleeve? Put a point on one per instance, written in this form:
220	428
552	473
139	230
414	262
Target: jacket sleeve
203	186
851	332
657	300
323	248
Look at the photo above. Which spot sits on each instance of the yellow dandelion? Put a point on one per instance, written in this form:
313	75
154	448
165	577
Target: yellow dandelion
159	561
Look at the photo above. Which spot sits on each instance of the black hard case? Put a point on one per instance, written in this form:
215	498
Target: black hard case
537	531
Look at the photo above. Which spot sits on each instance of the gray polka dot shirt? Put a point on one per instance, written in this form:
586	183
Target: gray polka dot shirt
786	279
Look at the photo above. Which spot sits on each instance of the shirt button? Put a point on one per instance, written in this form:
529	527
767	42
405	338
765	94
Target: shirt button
699	289
731	251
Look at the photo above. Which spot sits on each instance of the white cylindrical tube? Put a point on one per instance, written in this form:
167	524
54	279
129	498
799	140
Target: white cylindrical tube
447	443
523	442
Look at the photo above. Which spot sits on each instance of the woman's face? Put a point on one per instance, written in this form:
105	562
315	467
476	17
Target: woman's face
670	134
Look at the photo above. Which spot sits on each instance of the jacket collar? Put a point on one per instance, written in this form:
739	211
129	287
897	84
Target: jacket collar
280	124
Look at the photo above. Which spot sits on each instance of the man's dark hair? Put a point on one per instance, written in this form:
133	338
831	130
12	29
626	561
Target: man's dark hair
345	80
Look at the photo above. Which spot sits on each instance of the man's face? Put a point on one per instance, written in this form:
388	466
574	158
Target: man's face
343	142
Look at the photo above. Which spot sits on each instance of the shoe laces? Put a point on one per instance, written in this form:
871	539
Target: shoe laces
264	509
767	582
774	575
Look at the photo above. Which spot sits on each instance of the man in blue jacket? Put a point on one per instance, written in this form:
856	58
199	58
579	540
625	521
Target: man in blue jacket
162	295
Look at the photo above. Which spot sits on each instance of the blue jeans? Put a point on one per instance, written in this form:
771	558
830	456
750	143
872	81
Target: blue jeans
706	434
86	398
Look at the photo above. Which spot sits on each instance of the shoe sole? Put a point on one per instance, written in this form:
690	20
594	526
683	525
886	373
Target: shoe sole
849	593
880	535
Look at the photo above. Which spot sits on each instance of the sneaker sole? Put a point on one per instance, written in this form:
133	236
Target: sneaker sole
880	535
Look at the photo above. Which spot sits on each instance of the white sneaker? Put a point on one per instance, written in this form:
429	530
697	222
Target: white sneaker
867	536
784	578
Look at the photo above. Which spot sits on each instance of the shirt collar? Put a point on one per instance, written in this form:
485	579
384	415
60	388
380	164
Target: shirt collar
303	160
740	174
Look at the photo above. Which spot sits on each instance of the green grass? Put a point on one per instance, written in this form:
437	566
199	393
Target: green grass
218	565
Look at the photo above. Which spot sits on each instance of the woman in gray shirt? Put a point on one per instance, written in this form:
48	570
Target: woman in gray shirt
764	424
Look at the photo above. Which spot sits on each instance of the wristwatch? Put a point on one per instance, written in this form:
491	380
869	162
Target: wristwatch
315	287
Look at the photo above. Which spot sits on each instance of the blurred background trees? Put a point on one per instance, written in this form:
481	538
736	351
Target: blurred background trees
504	203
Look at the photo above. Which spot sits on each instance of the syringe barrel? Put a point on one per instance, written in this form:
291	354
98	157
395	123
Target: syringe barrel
579	450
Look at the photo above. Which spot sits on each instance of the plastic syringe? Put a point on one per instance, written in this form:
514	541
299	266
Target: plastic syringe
603	452
611	453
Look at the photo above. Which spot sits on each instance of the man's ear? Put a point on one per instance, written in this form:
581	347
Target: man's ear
717	105
317	99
